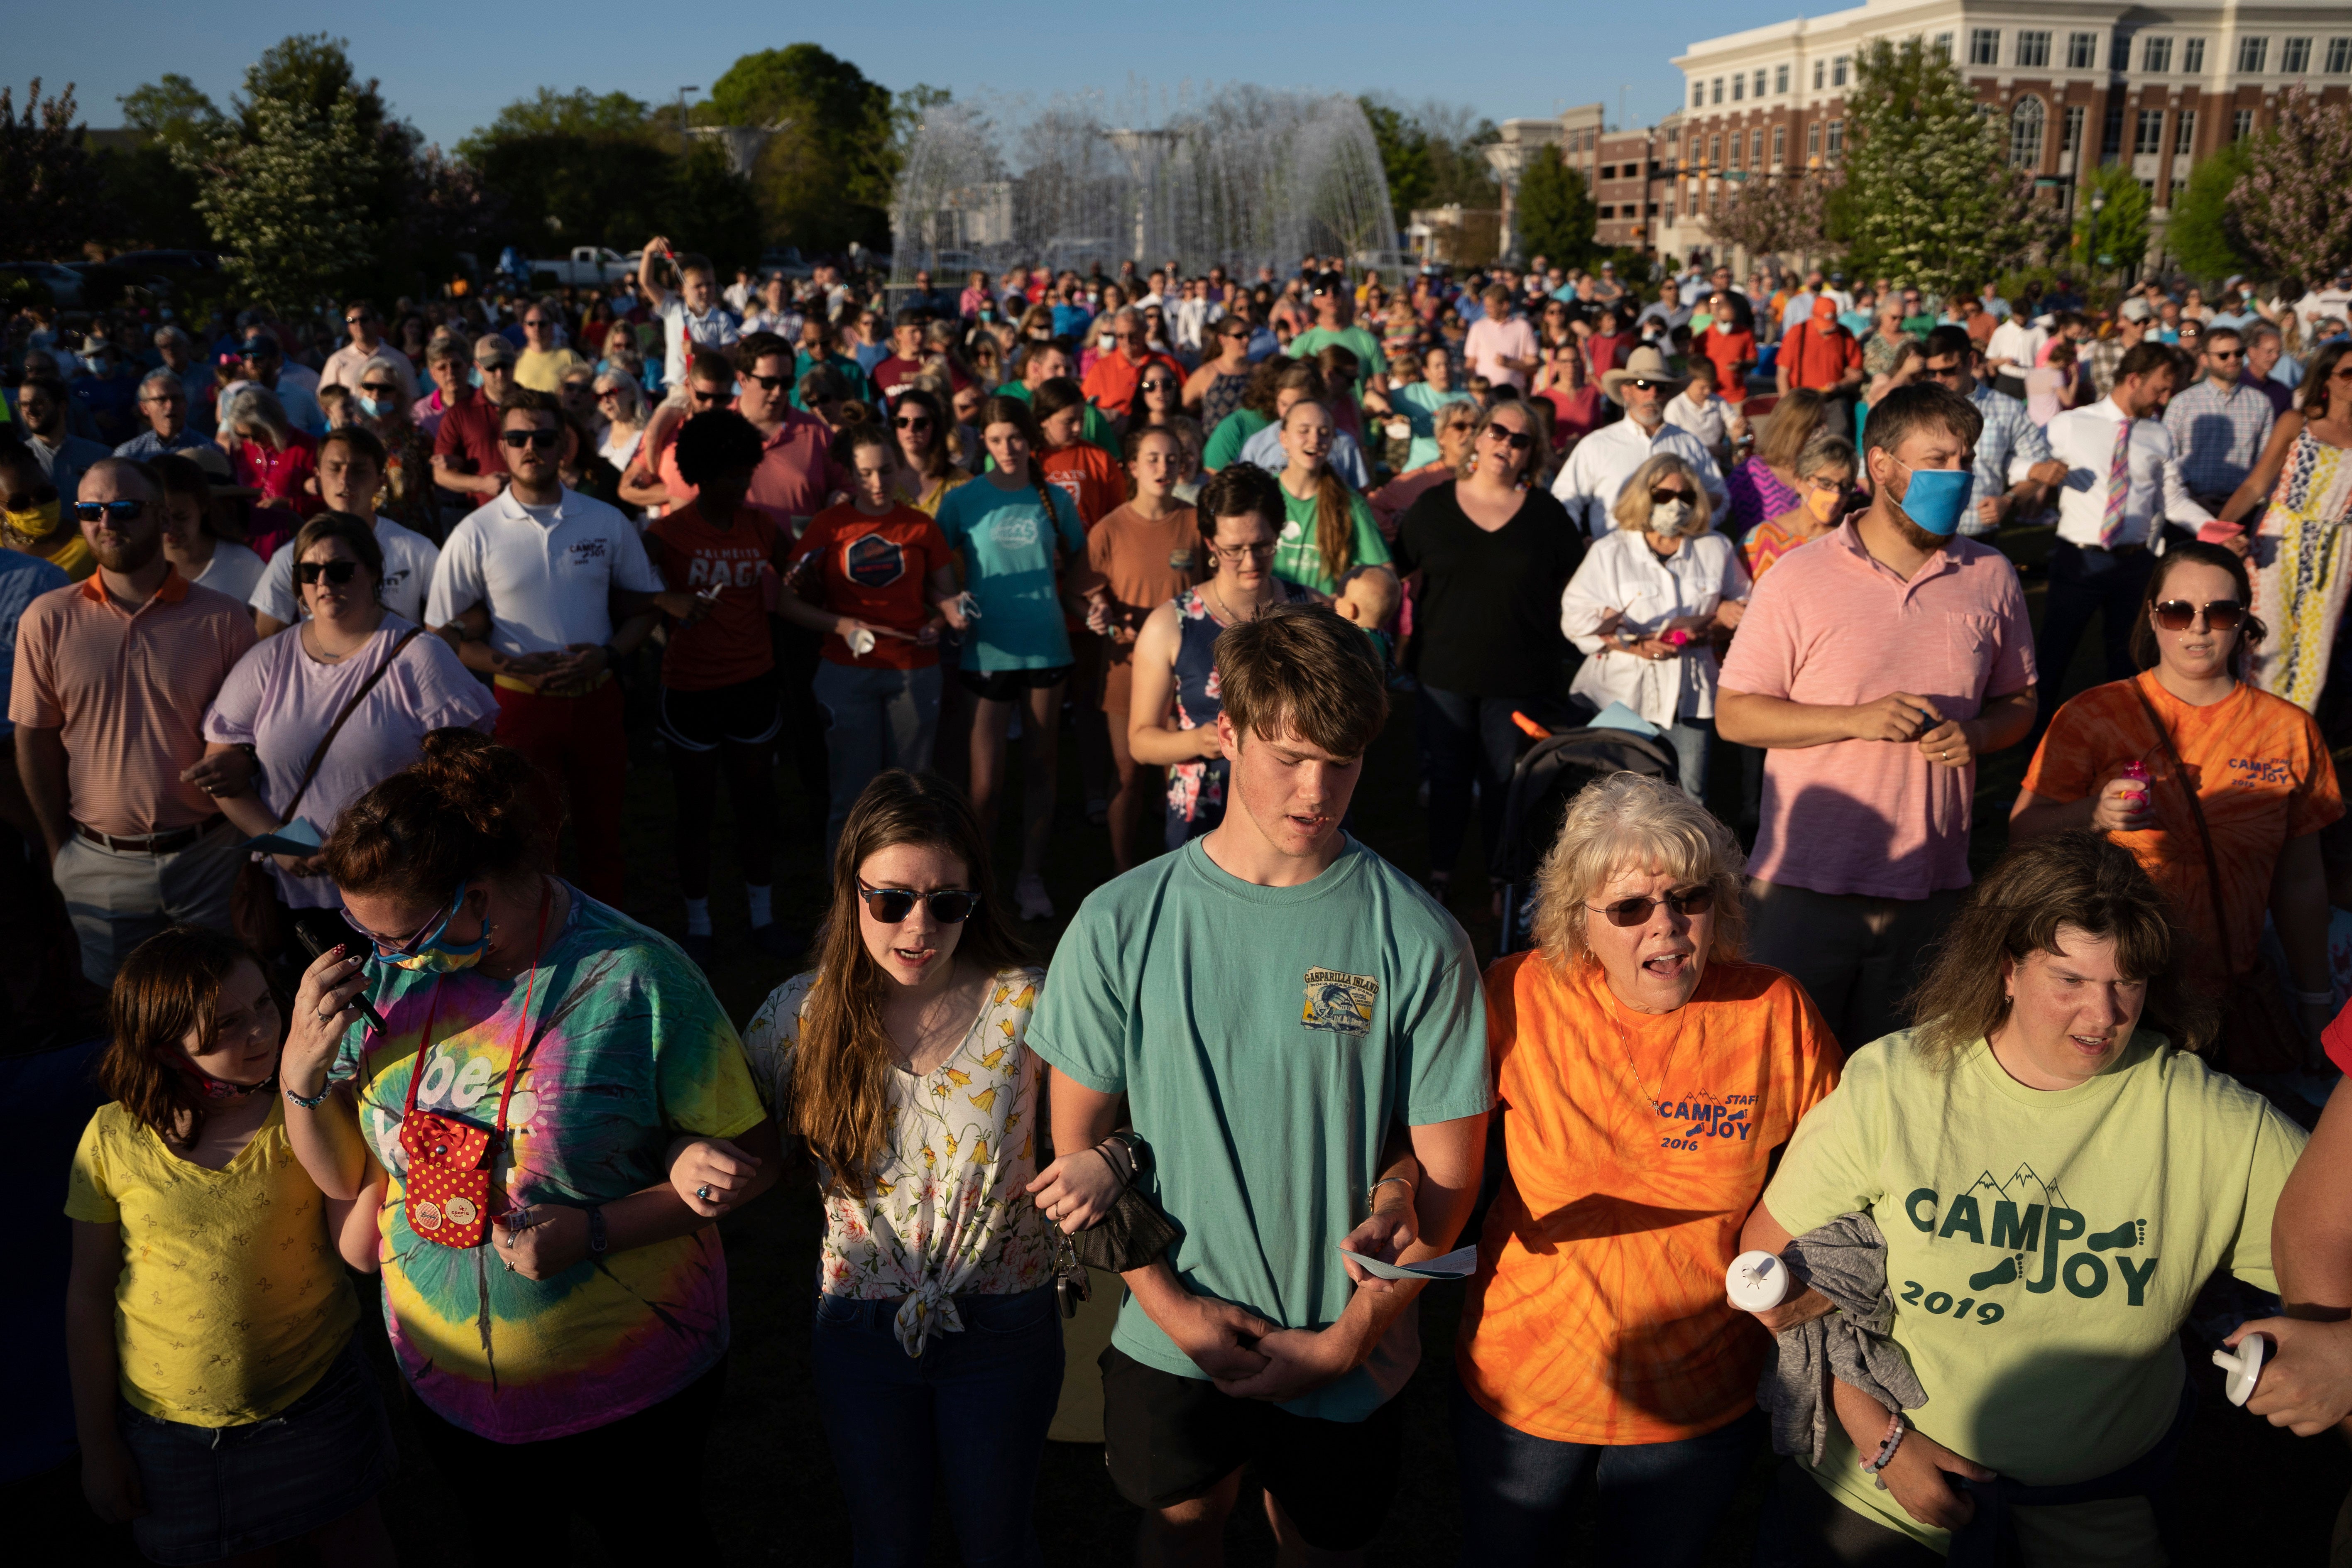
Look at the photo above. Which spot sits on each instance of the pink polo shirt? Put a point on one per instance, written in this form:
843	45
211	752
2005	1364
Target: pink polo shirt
1832	627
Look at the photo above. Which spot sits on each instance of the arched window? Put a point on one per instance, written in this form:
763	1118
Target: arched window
2025	133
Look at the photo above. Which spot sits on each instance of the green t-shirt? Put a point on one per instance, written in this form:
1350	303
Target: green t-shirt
1296	558
1266	1040
1372	359
2044	1249
1233	433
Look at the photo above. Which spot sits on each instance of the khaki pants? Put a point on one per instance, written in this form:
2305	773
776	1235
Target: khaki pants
1858	957
118	899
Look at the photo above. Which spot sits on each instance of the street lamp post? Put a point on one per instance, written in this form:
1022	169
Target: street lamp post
683	136
2091	240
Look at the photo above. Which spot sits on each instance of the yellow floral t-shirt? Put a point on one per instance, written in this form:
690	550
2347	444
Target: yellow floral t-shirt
231	1300
943	1214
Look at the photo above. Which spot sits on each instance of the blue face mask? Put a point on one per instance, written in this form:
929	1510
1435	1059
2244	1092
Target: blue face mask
1935	499
374	407
432	953
474	376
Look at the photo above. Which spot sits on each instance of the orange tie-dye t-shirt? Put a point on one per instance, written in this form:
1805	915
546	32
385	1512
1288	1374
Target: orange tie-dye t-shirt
2260	768
1637	1145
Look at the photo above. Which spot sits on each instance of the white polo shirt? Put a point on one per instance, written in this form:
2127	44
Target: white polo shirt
408	560
543	573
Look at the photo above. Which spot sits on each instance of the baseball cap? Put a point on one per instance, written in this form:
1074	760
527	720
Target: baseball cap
2136	310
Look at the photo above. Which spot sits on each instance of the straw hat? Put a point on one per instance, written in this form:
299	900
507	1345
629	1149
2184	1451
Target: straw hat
1644	363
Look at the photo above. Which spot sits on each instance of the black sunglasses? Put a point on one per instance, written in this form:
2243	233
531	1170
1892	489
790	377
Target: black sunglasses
913	422
115	511
1630	912
1647	385
335	572
2180	615
1519	440
544	440
768	382
40	495
702	397
1660	498
379	389
949	906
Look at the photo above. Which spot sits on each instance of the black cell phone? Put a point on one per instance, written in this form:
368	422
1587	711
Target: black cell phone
317	949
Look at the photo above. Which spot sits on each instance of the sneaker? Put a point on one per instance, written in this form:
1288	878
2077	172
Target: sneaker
697	948
1029	892
777	942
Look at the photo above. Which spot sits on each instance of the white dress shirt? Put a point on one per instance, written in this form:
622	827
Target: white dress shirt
2016	343
1621	573
544	574
2084	440
1588	481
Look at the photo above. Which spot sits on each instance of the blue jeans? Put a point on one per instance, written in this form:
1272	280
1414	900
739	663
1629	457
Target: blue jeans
1659	1501
1692	739
965	1421
1465	740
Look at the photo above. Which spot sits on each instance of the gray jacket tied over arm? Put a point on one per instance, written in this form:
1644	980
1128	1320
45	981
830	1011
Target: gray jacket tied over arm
1845	1260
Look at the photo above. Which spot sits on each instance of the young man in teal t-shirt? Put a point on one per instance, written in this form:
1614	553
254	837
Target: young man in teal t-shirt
1300	1034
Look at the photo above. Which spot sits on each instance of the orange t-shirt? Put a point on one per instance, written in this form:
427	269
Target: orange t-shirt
2261	770
1090	476
1598	1314
878	570
730	645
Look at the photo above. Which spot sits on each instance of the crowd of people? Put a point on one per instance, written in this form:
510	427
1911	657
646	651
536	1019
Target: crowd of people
327	658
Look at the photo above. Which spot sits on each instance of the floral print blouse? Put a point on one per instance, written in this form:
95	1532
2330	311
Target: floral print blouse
943	1214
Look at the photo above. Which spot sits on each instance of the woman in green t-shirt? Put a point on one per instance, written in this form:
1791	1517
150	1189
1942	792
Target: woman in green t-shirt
1329	543
2056	1175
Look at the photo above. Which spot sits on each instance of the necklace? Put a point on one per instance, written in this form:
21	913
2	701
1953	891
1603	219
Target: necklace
1227	610
1625	1044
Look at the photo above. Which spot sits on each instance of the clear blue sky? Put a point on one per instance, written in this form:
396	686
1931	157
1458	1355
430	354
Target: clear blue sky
449	68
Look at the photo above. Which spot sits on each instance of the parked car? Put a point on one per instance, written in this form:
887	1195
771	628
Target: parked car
62	284
587	264
169	263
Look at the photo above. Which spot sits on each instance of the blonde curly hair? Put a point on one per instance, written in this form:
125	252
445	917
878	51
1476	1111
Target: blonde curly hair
1626	821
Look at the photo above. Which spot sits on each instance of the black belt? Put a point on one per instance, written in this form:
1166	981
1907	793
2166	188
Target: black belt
149	843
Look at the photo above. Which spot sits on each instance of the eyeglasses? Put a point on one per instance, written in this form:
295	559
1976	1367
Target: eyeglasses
1236	552
1519	440
1630	912
913	422
544	440
380	389
110	511
1660	496
891	906
1947	372
335	572
2180	615
260	351
1168	388
412	943
165	397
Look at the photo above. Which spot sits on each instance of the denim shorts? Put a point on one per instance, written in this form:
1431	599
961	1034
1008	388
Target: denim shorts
216	1491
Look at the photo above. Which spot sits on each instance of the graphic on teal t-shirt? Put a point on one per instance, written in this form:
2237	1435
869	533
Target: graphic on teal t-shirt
1007	540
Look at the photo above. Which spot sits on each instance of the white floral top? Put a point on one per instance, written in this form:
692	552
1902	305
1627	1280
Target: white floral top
943	1215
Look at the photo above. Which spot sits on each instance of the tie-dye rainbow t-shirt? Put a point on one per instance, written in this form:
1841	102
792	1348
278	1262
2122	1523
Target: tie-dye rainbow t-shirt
629	1049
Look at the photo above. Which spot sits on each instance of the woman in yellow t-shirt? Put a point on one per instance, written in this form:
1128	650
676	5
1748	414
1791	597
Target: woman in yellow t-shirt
1647	1078
2056	1176
221	1404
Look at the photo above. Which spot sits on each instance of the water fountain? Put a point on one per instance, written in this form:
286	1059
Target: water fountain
1246	176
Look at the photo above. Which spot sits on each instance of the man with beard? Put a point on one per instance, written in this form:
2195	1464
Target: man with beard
113	675
1876	668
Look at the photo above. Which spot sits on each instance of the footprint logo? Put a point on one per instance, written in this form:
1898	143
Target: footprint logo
2006	1272
2131	1233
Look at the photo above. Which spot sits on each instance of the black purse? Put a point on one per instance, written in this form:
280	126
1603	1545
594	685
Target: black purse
1132	1235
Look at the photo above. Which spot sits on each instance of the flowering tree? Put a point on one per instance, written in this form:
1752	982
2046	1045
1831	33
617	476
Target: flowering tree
287	200
1931	194
1776	215
2293	206
47	187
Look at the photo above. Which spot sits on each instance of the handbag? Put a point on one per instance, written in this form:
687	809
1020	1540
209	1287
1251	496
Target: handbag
2259	1033
1131	1235
255	911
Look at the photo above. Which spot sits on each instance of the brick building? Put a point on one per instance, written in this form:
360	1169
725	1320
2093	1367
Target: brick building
2079	83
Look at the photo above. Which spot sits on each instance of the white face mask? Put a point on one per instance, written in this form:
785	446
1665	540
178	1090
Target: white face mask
1668	516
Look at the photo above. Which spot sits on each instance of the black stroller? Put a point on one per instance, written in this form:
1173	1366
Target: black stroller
1546	777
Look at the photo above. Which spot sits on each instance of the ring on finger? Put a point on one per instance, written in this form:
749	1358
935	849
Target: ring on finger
703	1191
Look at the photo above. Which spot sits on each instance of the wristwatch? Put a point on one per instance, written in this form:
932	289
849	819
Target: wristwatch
1138	1153
595	1232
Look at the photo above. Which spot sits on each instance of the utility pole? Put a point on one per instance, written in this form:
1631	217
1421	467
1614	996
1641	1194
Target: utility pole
683	137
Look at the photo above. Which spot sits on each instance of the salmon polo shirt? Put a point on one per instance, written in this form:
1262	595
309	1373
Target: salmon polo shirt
1831	626
127	691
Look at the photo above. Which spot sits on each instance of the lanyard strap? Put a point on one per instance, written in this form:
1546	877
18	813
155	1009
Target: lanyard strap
522	1026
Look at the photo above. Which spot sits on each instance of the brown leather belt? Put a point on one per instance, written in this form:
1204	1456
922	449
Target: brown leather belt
149	843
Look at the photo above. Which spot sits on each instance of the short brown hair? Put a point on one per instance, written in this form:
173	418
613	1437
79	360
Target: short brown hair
1922	406
1240	490
360	440
527	400
1302	668
168	989
467	809
358	535
2079	878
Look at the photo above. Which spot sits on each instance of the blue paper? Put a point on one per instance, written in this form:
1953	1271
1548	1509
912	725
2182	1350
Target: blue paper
298	837
1617	716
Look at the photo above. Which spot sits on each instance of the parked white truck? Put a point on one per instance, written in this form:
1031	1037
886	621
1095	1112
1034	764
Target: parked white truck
588	264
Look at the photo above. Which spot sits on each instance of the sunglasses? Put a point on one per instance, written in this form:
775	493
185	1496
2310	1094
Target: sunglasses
949	906
1660	498
544	440
1518	440
259	351
768	382
2226	354
707	398
1631	912
913	422
1160	387
1646	386
2221	615
379	389
356	320
110	511
335	572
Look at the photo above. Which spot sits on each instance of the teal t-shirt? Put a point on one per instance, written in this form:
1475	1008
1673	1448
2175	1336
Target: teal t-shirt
1233	433
854	382
1006	539
1266	1040
1419	402
1296	558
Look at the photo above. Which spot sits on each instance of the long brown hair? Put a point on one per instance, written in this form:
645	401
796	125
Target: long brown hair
1015	411
168	989
1335	517
2077	878
841	1080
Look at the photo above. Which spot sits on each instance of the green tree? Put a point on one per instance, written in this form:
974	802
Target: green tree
826	178
574	168
1773	215
1556	215
2293	205
2202	234
1404	155
53	200
2120	223
1931	194
153	191
1430	154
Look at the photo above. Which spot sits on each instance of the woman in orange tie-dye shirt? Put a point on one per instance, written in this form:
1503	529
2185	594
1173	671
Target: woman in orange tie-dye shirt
2263	784
1645	1078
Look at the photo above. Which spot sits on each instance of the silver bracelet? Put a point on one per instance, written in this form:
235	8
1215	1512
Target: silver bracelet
1385	1181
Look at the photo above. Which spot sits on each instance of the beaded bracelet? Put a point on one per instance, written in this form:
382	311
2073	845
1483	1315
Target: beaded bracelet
314	1101
1893	1440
